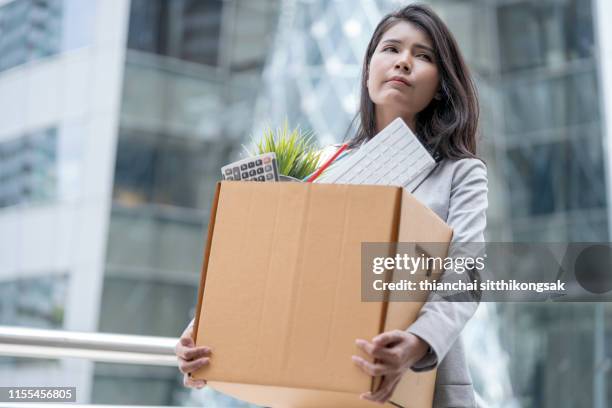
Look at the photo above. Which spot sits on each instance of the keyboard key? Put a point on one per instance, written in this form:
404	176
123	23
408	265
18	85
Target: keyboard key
260	170
251	165
245	175
258	162
394	151
261	178
269	176
252	172
268	167
228	172
243	166
236	173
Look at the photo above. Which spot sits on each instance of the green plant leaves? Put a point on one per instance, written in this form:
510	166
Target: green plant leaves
297	153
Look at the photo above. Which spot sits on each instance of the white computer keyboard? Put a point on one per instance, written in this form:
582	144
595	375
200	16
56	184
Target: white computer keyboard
393	157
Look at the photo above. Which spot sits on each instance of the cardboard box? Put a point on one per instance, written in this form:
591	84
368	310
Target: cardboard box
280	293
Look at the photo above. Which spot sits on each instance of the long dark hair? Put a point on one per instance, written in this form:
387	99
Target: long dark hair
448	125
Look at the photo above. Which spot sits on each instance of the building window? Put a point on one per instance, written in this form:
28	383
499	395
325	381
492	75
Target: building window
158	169
551	102
34	301
550	34
183	29
28	168
557	177
29	30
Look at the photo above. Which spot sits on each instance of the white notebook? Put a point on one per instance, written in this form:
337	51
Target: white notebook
393	157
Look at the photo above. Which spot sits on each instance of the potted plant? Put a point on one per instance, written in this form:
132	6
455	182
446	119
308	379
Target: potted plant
297	153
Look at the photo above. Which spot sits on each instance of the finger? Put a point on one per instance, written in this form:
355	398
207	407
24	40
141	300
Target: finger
366	346
191	353
179	351
386	388
389	394
388	338
385	397
367	396
196	352
182	345
187	341
387	355
382	387
373	370
191	366
192	382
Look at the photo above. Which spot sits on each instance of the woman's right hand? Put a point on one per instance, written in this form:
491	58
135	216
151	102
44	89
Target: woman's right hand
191	358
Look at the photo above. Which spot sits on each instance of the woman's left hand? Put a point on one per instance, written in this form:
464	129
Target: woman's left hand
394	352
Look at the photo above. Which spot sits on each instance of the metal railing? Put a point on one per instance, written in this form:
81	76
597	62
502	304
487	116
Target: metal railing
101	347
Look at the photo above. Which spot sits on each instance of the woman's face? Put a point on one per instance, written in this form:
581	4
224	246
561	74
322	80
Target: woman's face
404	52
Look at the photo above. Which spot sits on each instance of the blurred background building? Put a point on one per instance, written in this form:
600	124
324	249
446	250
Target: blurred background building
116	115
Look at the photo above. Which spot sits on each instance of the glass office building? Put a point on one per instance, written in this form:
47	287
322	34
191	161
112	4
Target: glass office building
191	74
116	116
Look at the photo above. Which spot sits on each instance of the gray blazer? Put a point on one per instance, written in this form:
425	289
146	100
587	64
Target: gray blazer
456	190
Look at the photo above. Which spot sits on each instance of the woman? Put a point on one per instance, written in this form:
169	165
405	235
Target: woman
413	69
